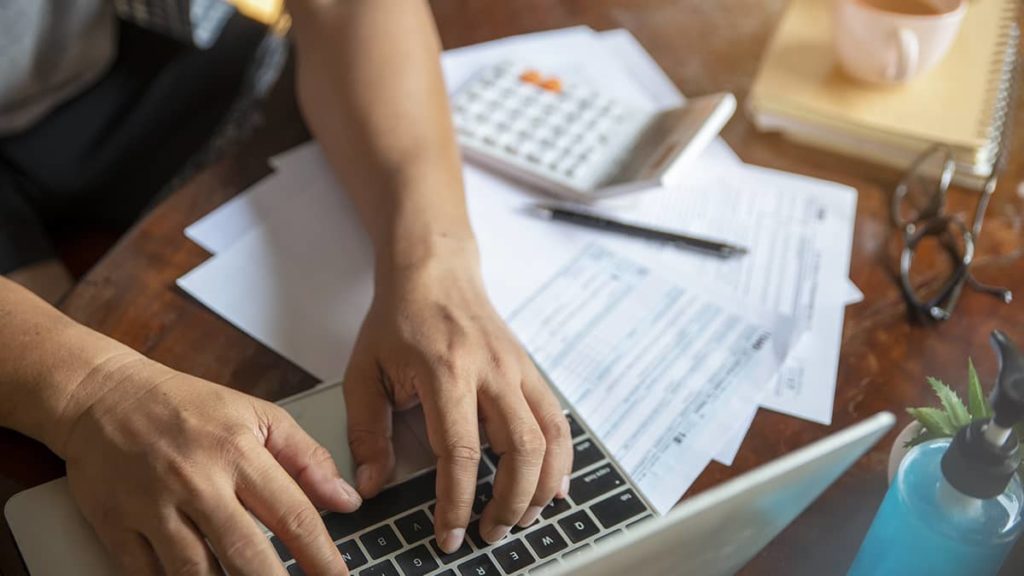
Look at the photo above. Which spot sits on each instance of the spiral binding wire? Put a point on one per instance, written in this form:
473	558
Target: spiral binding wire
1002	88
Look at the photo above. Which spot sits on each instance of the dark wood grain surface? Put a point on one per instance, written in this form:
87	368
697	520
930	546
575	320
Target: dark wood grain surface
704	47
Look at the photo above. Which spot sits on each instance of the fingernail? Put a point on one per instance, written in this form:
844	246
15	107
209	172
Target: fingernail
350	492
452	540
496	533
530	515
364	474
564	490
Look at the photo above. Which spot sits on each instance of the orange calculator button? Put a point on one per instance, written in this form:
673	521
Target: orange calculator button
552	84
530	77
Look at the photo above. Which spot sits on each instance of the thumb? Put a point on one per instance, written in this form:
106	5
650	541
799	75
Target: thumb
369	427
310	464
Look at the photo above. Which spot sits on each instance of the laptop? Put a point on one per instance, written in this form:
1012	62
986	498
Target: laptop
605	527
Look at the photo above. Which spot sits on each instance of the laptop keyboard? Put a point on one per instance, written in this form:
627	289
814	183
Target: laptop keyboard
393	534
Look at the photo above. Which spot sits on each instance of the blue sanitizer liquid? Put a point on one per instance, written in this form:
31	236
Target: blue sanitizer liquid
926	527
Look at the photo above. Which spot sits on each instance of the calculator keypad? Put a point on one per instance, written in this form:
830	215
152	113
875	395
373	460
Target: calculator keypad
541	123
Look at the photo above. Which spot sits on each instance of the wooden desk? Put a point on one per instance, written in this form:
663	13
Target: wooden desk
705	47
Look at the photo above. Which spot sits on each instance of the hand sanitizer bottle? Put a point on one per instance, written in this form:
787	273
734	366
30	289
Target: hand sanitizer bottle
954	506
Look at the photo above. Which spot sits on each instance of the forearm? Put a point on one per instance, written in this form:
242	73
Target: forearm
371	89
45	357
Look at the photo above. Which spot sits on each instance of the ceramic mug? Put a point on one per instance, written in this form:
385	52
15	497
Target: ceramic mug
893	41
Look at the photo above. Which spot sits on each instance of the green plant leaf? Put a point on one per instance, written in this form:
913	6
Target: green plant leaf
951	402
934	420
977	404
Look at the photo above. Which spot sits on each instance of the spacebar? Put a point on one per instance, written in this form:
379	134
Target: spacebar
389	503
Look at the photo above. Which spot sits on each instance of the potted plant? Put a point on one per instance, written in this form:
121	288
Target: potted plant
944	422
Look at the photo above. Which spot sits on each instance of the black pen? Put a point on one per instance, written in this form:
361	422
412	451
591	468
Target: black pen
562	214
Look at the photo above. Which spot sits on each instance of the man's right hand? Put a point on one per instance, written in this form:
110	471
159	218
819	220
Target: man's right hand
160	463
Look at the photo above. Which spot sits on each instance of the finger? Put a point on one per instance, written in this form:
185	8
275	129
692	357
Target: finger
310	464
554	473
369	426
131	552
179	546
515	436
238	542
454	434
274	497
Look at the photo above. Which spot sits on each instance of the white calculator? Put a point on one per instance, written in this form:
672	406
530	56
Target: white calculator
573	141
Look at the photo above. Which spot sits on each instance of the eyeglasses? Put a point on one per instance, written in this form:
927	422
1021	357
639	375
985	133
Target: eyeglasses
919	209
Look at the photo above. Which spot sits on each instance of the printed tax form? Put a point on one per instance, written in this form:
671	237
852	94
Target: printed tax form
659	372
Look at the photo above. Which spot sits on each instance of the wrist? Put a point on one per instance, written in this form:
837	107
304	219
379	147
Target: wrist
411	255
68	386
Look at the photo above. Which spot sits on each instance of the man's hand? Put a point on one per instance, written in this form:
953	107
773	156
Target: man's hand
432	336
161	462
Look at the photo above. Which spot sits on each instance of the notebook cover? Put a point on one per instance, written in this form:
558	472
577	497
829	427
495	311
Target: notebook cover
956	103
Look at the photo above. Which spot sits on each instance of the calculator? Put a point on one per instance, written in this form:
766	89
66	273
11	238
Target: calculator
573	141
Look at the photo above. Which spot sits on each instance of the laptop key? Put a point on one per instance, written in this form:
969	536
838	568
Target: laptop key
351	554
281	550
446	573
385	568
578	526
576	551
416	561
479	566
484	493
546	541
585	453
483	470
590	485
638	522
462	552
473	532
396	500
492	456
545	567
380	541
517	528
513	557
415	527
574	427
554	508
618	508
295	570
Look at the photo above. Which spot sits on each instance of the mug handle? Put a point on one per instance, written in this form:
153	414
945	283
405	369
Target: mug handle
909	52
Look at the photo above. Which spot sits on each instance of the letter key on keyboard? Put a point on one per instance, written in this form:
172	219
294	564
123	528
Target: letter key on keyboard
415	527
479	566
380	541
513	556
578	526
462	552
417	561
546	541
351	554
385	568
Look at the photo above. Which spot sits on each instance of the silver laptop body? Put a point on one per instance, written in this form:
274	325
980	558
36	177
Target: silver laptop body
606	530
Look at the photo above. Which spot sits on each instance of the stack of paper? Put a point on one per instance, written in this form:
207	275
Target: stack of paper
293	268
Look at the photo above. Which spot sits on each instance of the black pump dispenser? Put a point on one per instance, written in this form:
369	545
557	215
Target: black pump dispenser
983	457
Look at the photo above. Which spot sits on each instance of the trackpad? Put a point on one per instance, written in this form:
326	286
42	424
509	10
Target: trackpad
321	413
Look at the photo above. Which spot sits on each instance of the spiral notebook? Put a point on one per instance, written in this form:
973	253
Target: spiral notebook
963	102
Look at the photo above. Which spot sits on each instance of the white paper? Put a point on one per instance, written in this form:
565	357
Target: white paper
497	208
854	295
730	448
656	370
